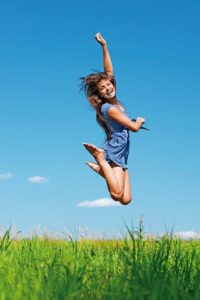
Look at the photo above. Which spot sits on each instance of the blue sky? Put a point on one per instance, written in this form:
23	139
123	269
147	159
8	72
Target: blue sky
44	119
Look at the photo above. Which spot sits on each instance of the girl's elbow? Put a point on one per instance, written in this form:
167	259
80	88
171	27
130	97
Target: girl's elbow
134	126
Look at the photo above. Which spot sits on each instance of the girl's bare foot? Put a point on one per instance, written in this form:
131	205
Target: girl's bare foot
96	152
95	167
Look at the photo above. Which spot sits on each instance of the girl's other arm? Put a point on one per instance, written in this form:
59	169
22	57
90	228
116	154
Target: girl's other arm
108	67
119	117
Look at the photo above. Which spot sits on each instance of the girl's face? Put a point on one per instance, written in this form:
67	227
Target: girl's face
106	89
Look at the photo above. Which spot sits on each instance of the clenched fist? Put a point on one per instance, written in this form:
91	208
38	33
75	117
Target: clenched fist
100	39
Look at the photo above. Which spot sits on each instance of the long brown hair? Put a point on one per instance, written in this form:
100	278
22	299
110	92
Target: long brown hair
89	85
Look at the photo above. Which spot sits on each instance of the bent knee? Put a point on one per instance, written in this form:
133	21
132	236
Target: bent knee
125	201
117	196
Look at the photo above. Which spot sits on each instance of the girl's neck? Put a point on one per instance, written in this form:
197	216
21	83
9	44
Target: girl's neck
113	101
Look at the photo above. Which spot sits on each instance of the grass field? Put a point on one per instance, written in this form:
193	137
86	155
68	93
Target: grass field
132	268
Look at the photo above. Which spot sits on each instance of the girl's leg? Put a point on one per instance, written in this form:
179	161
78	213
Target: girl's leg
120	175
127	188
114	176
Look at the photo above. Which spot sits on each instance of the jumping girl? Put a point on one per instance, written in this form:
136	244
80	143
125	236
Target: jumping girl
112	157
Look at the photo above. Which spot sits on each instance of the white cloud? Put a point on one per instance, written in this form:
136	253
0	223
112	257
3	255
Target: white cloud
38	179
5	176
103	202
186	235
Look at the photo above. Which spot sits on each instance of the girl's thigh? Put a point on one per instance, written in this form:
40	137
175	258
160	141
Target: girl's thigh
119	173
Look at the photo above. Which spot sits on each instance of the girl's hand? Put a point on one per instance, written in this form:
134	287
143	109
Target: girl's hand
140	120
100	39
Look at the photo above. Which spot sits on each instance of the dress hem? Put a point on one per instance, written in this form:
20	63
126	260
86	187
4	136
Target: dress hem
111	159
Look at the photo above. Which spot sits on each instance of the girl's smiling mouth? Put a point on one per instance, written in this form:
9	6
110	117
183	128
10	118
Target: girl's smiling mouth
109	92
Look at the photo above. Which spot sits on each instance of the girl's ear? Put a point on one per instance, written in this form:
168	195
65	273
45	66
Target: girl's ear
92	91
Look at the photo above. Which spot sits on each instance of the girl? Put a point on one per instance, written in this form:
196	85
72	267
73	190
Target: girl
112	157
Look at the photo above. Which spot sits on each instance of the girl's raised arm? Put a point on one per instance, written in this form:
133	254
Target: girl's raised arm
108	67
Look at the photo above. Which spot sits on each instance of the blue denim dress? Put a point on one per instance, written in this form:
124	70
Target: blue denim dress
117	148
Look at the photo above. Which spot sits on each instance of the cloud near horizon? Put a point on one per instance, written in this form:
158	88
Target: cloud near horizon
187	235
102	202
38	179
6	176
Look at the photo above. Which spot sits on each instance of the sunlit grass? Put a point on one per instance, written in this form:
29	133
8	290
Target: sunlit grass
131	268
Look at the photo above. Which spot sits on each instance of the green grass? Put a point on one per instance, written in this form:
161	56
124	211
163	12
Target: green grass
133	268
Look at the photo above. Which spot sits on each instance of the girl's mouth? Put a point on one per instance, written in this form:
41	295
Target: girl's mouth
110	92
